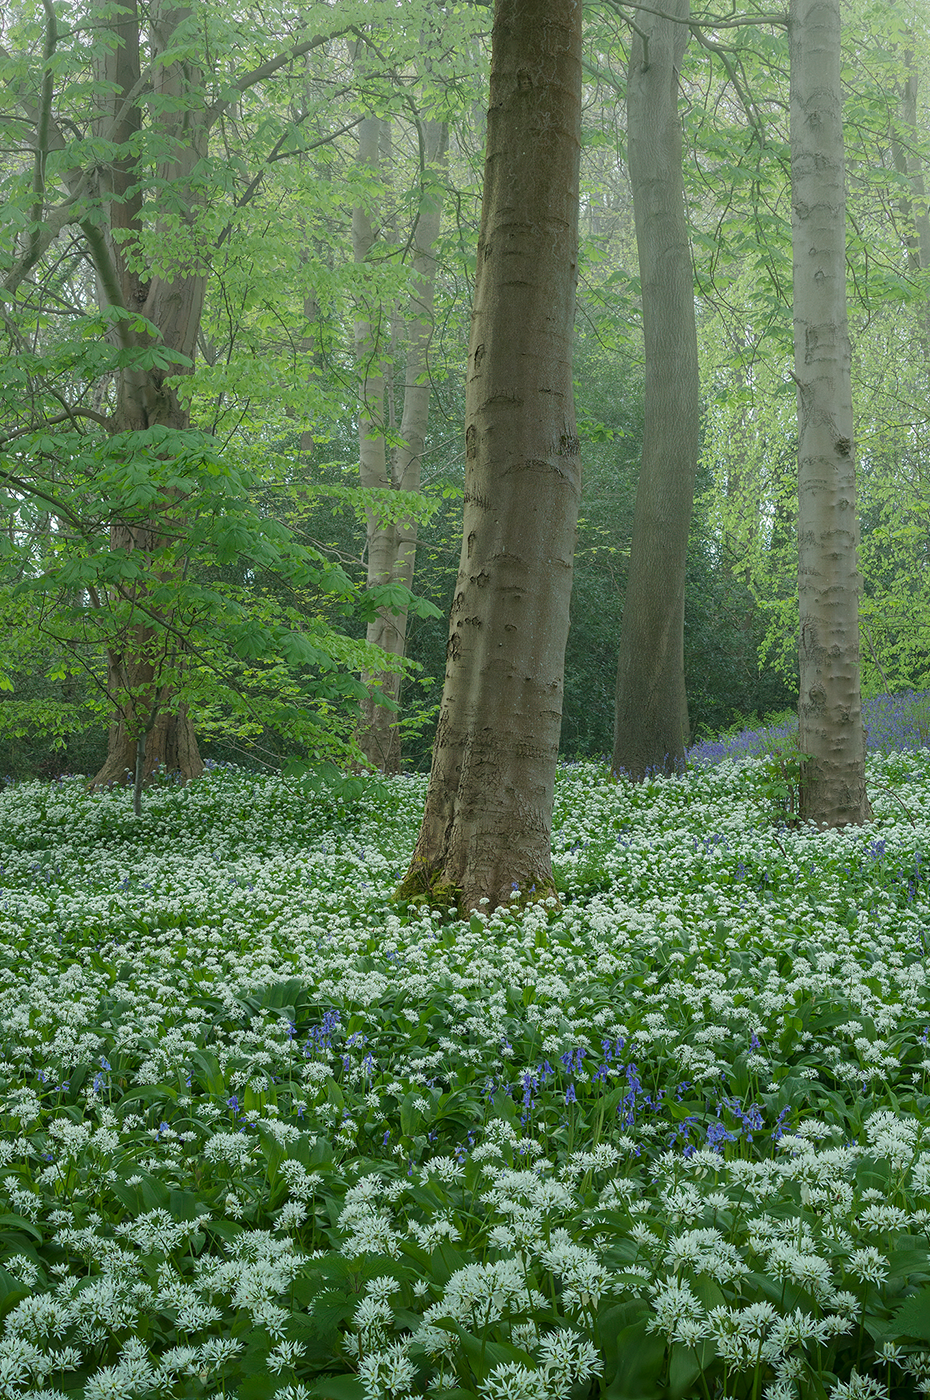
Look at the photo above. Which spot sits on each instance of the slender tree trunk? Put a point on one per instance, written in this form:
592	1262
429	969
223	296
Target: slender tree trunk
912	203
487	824
374	474
174	303
392	547
833	779
651	727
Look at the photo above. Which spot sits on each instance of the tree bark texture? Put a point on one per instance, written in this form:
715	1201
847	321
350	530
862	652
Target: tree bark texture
651	727
173	302
831	732
487	824
392	544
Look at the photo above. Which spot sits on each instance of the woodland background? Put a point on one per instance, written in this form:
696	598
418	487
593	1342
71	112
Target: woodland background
239	169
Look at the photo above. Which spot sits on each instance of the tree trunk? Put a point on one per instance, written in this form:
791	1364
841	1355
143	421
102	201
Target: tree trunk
164	750
487	824
392	547
174	303
651	728
831	733
373	734
912	202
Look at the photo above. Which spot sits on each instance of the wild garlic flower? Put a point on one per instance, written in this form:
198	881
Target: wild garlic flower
869	1265
510	1380
705	1251
372	1317
481	1294
858	1388
283	1356
371	1233
387	1373
672	1303
291	1215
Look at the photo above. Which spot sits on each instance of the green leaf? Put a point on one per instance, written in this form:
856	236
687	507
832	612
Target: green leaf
337	1388
144	1093
411	1117
185	1205
210	1075
686	1365
483	1355
11	1292
329	1310
912	1318
640	1358
260	1387
17	1222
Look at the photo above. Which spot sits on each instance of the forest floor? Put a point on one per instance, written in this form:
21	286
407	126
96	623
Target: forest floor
266	1132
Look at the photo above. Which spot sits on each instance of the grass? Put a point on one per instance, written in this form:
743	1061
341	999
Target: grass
266	1133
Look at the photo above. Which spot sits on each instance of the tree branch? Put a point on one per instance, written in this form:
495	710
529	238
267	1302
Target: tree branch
68	416
59	508
698	21
58	218
323	141
109	278
266	69
723	54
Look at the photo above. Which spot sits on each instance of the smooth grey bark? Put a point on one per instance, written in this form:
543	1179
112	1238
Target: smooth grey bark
651	728
487	824
833	777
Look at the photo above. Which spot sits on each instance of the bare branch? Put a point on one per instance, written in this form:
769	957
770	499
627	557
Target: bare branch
723	53
323	141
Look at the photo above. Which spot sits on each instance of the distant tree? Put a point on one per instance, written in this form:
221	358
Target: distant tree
487	824
833	781
651	726
391	541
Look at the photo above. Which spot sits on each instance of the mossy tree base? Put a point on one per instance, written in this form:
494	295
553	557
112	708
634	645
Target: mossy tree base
432	888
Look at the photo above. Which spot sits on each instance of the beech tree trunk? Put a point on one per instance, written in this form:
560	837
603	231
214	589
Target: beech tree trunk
487	824
147	724
392	546
833	778
651	727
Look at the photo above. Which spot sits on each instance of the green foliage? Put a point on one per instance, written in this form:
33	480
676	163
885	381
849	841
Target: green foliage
265	660
782	777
